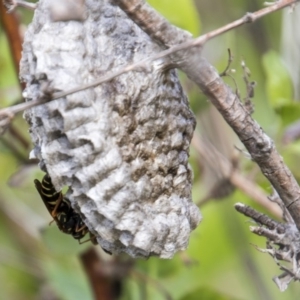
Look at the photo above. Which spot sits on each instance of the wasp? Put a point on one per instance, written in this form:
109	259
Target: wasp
59	207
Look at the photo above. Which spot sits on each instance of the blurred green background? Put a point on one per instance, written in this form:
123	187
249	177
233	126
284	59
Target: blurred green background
39	262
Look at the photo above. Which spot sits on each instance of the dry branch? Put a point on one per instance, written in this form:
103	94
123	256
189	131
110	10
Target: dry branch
233	176
12	4
259	145
164	36
283	243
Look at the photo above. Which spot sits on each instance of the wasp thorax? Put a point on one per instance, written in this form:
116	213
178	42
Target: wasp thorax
121	147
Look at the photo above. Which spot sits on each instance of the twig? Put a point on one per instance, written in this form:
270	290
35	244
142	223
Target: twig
230	60
13	4
234	176
250	85
283	242
258	217
160	29
143	65
227	73
155	283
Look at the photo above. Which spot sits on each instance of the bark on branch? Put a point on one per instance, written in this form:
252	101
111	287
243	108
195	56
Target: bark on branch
257	142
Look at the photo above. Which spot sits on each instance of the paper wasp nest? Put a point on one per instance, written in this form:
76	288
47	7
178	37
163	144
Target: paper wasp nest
122	147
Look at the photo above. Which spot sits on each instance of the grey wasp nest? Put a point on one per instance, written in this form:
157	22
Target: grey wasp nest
122	147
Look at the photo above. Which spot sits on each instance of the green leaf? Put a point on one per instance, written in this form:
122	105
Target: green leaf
289	113
181	13
278	86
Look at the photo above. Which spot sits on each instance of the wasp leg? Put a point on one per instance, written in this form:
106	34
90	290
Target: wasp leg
57	204
80	242
93	239
80	228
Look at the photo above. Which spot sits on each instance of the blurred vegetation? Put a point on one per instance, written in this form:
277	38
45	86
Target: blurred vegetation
38	262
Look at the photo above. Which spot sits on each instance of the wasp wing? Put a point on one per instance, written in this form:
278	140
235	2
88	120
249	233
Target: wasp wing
48	201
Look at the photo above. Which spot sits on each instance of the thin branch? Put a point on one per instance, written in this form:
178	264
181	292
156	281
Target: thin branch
31	6
259	217
143	65
155	283
13	4
145	16
230	60
234	176
283	240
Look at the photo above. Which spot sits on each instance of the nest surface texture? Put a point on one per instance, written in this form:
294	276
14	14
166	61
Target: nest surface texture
122	147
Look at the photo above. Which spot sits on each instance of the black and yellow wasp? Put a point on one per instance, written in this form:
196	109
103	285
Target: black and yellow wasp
66	218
